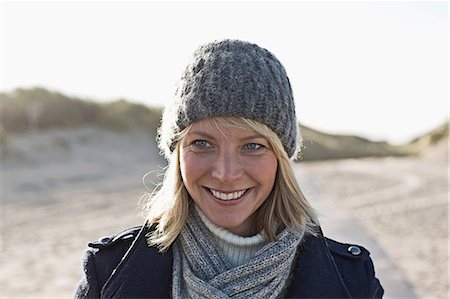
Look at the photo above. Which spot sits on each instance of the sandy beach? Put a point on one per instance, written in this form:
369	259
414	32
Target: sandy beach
63	188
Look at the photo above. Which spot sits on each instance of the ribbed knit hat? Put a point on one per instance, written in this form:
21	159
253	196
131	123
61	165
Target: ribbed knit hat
232	78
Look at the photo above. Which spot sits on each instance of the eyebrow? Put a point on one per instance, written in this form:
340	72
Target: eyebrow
256	136
209	136
201	133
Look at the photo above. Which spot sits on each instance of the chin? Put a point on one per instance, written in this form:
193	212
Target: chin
226	222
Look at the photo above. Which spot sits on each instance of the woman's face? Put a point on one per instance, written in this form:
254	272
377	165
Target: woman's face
228	172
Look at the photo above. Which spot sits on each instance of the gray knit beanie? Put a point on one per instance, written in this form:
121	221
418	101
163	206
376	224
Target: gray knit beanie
232	78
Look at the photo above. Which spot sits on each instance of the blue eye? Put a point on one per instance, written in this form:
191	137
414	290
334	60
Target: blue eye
201	144
253	146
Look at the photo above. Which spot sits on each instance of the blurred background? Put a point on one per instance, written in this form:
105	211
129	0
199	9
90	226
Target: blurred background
82	88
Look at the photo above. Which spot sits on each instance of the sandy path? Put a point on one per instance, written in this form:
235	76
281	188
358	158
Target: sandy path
42	247
402	203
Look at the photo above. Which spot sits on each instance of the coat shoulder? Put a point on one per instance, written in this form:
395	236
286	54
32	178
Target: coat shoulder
108	251
123	237
101	258
356	268
347	251
325	268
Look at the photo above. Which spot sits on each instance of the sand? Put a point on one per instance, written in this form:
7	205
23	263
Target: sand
402	204
63	188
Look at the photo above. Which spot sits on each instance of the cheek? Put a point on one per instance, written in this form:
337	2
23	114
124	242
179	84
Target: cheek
264	170
271	171
191	167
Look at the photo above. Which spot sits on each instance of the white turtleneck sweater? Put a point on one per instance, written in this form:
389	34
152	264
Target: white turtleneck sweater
236	248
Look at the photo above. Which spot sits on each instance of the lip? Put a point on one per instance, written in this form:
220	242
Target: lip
231	201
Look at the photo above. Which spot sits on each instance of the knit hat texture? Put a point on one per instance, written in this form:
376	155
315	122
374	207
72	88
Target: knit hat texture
232	78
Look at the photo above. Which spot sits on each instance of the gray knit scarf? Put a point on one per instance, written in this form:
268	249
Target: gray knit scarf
200	269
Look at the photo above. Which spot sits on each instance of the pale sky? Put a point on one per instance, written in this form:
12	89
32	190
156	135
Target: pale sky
376	69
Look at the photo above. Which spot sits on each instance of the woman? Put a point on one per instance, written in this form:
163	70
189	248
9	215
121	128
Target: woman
229	220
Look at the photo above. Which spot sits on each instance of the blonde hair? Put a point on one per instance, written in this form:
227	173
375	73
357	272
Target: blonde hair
168	206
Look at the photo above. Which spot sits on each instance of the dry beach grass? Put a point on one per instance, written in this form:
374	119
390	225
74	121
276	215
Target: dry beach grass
64	188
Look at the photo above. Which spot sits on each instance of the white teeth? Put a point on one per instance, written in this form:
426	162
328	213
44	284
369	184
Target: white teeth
227	196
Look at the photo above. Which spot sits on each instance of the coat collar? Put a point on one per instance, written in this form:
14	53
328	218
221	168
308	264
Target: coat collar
145	273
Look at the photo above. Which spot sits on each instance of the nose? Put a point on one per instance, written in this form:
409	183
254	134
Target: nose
227	167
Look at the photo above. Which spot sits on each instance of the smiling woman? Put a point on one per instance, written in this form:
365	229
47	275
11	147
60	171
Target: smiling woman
228	172
229	219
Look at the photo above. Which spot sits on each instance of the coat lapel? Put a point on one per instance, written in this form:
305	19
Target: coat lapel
142	273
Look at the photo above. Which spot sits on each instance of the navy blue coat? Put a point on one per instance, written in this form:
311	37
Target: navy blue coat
124	266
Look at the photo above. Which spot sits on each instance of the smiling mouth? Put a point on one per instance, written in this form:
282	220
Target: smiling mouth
228	196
